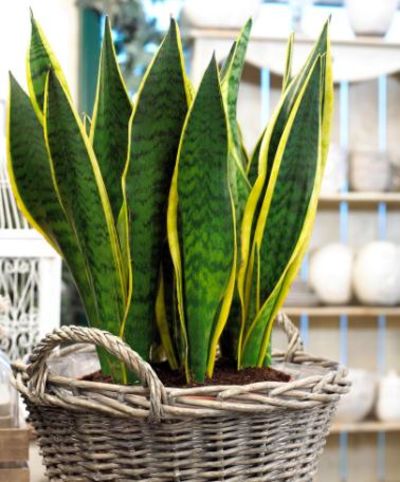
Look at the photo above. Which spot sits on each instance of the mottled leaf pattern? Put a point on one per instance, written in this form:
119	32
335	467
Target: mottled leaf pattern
231	75
83	197
40	60
109	129
154	138
163	318
162	217
35	194
284	215
292	93
272	138
205	218
252	170
293	187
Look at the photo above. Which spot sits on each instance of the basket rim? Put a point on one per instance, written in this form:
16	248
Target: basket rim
154	402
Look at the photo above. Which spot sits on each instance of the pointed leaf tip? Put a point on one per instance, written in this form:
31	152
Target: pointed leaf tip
213	62
11	77
108	37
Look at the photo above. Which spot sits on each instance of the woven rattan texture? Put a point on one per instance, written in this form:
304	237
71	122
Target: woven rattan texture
270	431
280	446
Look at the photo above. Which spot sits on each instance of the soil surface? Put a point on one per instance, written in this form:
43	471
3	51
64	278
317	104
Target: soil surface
224	374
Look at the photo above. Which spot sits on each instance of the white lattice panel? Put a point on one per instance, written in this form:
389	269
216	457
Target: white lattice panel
30	277
10	216
19	282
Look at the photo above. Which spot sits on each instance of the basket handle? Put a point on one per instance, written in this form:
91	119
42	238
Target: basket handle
38	369
295	343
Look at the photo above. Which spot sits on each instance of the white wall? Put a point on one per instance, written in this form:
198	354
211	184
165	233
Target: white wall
60	21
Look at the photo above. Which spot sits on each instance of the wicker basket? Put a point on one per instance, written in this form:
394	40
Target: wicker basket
268	431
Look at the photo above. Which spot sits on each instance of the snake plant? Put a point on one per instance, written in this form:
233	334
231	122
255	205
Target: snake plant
174	234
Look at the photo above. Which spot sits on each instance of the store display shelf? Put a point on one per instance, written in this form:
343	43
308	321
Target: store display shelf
329	311
368	426
360	200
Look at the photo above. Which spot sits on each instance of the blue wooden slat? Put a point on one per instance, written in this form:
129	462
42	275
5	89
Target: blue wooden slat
381	457
344	238
305	329
382	234
344	340
382	112
304	319
265	95
344	456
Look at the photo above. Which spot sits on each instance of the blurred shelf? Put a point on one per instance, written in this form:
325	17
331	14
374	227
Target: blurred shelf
352	54
369	426
360	200
326	311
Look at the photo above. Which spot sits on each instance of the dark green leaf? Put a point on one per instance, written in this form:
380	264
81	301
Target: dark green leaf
155	132
205	218
84	200
292	183
32	183
40	60
109	130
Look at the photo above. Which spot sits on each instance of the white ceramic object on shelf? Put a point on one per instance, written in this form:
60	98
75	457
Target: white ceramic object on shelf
371	17
388	405
369	171
376	274
336	170
219	13
331	273
301	294
359	402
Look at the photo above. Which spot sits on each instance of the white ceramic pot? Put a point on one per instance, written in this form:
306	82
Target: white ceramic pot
371	17
336	170
331	272
359	402
388	405
370	171
219	13
376	274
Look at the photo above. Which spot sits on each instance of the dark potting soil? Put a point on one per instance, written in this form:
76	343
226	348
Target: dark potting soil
224	374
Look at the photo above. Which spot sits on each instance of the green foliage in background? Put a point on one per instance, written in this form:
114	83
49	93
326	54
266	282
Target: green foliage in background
173	233
136	32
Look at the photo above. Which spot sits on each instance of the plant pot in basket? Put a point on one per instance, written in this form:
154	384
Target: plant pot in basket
256	432
183	246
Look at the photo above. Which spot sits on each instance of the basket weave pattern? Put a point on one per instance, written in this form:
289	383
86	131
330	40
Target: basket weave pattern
89	431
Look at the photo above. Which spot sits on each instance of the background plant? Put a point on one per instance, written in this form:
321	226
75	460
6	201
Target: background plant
173	233
137	35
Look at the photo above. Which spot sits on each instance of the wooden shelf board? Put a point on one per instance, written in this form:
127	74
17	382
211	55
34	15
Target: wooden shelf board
369	426
326	311
232	33
359	200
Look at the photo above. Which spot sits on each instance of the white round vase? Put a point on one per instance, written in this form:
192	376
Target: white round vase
376	275
219	14
359	402
330	273
371	17
388	405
